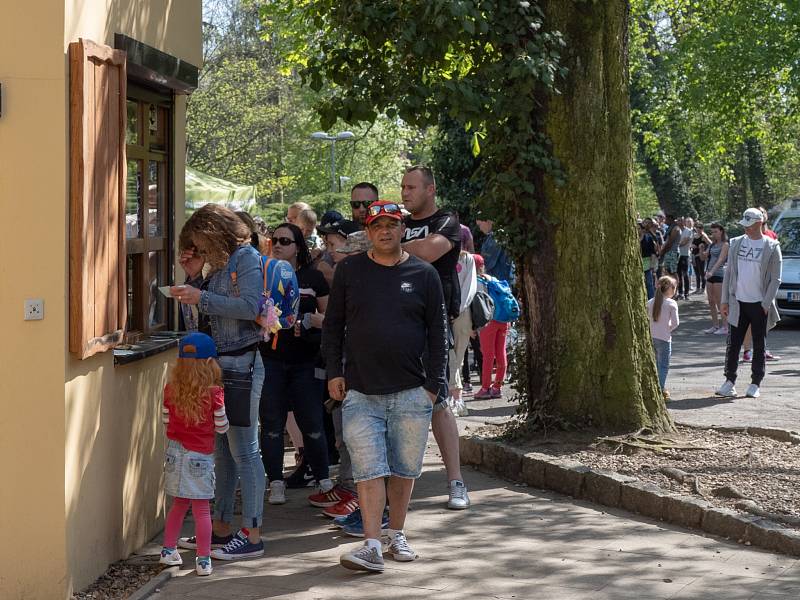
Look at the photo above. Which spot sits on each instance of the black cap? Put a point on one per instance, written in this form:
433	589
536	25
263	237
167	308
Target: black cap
343	227
331	216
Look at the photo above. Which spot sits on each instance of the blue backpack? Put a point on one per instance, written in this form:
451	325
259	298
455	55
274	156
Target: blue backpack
506	307
280	285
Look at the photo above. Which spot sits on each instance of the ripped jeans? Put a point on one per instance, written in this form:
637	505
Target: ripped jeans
292	387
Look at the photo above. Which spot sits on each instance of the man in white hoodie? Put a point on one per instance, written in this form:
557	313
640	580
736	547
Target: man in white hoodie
749	288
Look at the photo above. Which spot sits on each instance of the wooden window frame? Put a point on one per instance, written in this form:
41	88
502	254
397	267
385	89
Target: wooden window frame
141	247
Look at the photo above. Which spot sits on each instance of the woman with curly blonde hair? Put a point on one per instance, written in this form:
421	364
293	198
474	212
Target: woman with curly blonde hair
227	300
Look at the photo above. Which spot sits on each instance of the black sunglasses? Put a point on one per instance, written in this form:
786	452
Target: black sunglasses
359	203
283	241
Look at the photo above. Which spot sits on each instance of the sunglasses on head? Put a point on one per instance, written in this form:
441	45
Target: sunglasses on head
283	241
359	203
389	209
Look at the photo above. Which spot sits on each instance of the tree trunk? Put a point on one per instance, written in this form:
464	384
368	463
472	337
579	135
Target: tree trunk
738	199
760	188
589	353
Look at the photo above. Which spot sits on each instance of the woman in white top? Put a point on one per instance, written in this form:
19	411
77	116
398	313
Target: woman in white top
663	313
462	329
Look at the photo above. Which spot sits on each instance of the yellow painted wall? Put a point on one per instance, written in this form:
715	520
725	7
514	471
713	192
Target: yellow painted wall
32	243
114	440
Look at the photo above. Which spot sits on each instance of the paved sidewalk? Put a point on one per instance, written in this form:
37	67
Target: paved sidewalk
515	542
697	369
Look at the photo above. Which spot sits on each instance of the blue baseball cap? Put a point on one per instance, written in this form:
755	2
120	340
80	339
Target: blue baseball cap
197	345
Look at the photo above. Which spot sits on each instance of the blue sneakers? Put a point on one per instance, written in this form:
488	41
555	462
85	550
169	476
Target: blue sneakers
353	524
239	547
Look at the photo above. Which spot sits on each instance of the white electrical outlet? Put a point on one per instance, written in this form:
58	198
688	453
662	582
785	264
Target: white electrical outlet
34	309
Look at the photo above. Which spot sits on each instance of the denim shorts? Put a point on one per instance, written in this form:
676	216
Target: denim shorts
386	434
188	474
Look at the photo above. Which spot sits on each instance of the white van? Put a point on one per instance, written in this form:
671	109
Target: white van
787	226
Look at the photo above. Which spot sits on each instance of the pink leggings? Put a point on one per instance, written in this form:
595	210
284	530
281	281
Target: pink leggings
202	524
493	348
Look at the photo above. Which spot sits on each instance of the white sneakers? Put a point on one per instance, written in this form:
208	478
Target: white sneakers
458	499
727	389
170	557
202	566
458	407
277	492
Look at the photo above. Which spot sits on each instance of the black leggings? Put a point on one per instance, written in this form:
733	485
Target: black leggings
683	276
699	272
475	344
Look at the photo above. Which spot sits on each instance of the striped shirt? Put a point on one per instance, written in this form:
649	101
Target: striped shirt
198	437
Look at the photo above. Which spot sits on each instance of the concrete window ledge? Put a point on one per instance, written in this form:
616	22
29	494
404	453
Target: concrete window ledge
628	493
149	346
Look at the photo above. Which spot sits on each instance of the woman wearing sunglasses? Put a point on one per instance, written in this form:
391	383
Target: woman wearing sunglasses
291	360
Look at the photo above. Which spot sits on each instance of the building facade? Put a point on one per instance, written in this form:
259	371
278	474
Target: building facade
92	146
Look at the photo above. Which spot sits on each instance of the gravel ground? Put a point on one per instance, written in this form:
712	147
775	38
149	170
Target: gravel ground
764	470
120	581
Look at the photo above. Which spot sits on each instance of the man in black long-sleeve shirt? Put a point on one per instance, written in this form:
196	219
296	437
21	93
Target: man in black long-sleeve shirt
384	309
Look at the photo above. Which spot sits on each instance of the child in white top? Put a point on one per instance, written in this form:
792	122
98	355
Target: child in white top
663	313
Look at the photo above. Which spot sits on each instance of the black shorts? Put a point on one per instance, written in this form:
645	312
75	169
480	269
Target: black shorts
715	279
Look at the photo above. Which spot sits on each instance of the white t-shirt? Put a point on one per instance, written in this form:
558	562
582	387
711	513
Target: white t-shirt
748	283
686	234
667	321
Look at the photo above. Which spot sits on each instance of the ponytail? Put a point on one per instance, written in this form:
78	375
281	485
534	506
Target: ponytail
664	284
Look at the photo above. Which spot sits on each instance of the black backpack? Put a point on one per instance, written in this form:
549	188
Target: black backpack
481	309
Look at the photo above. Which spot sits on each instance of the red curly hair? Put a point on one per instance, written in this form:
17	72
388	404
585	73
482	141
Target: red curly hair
189	382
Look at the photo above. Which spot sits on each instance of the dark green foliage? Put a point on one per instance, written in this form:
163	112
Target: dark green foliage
484	63
455	166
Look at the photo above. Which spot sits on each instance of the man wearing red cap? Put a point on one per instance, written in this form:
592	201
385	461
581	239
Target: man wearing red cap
386	308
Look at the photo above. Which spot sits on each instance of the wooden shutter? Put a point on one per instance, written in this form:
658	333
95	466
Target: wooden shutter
97	260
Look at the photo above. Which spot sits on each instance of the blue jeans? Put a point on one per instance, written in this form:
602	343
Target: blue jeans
663	354
386	434
292	385
237	454
649	284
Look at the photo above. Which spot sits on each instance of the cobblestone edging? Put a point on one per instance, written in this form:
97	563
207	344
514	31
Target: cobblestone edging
621	491
780	435
154	585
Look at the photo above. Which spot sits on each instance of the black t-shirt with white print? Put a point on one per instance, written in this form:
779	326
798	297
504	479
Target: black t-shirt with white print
445	224
383	319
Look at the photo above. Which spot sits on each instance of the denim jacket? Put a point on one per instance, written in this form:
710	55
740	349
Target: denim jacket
232	305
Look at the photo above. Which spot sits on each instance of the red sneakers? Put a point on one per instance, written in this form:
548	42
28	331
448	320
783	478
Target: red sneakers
344	508
330	498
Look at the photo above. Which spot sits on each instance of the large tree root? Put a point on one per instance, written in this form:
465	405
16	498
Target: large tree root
753	508
645	439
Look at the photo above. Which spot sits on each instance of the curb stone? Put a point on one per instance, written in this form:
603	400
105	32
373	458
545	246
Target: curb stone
154	584
780	435
612	489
